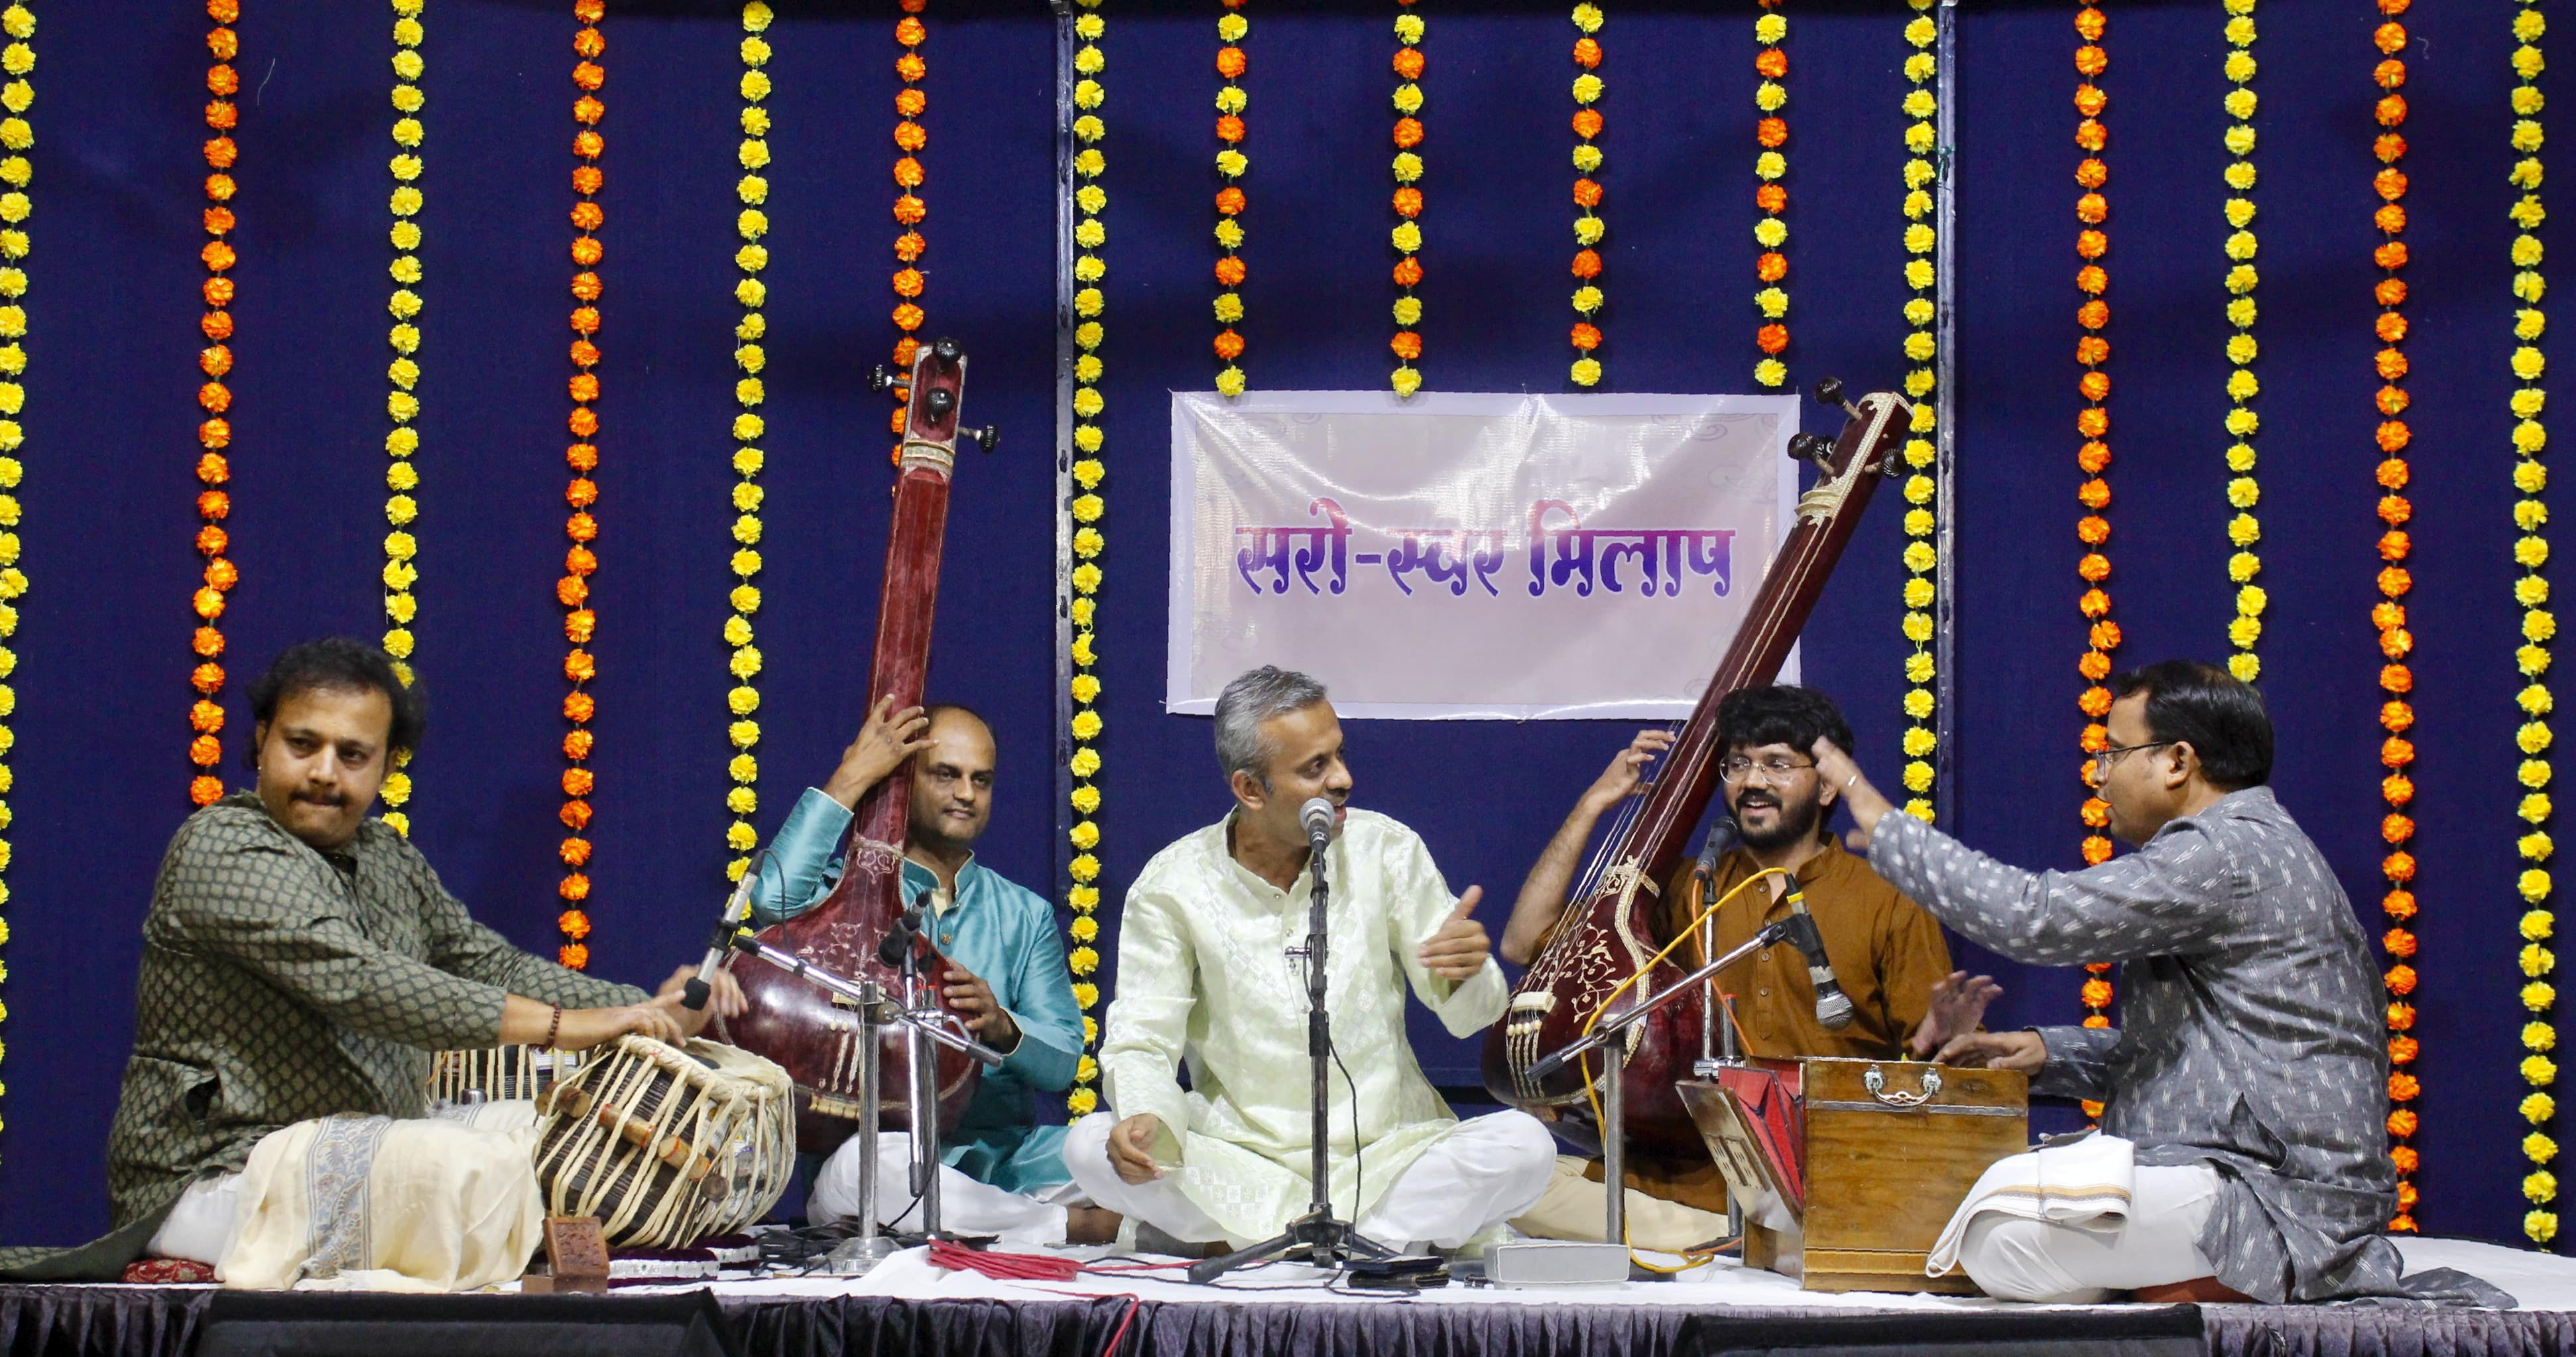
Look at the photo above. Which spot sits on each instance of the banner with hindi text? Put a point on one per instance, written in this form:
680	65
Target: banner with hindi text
1469	555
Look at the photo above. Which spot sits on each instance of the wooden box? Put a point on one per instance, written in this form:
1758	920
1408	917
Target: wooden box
1890	1148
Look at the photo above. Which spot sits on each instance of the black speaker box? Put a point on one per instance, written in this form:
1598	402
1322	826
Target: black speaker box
346	1324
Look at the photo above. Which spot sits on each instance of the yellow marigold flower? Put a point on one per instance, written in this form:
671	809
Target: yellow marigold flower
2538	1107
1918	776
2539	1036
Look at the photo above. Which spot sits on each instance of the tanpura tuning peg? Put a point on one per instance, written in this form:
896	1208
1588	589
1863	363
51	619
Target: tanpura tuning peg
1830	392
1809	447
942	400
984	437
946	352
880	380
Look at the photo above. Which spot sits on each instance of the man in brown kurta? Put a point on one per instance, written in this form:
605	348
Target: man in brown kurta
1887	953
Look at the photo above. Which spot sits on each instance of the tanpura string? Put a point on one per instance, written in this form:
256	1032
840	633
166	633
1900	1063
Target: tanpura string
1592	1092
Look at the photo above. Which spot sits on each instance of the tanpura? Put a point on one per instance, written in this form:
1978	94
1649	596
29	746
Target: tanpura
793	1021
1609	930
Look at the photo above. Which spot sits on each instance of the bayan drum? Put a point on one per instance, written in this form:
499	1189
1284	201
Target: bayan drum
667	1145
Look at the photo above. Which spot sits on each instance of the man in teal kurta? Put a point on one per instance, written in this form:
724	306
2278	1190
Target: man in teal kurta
1007	976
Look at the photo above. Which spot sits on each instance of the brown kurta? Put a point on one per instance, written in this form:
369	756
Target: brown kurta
1887	954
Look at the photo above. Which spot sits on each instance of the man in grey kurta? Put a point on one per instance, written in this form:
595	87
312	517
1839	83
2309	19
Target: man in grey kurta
301	960
2251	1042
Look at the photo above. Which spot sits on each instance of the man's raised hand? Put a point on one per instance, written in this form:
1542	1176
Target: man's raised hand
885	741
1958	1005
1626	775
1460	948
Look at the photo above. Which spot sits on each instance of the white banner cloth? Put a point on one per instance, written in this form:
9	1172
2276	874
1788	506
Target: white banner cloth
1464	555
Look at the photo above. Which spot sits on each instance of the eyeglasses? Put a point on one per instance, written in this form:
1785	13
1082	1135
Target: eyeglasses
1776	768
2102	762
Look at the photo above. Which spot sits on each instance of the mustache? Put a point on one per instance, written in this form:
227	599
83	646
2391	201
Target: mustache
331	799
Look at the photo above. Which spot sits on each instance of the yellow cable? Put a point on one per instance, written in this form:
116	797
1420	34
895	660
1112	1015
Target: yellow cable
1583	1063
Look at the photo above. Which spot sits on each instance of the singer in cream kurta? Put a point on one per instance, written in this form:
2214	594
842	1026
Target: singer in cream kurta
1203	978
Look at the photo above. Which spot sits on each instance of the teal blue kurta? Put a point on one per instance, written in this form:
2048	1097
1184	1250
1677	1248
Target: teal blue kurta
1005	934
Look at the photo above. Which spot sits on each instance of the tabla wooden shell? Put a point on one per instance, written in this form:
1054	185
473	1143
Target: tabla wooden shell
667	1145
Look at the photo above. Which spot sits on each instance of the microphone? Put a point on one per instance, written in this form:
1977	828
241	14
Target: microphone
897	943
1317	815
1833	1007
737	912
1723	837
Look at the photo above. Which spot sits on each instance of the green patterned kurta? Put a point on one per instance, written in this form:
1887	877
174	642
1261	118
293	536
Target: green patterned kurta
280	983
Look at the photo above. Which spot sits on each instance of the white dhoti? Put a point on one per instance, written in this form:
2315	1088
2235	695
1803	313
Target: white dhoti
965	1205
1482	1172
435	1204
2069	1225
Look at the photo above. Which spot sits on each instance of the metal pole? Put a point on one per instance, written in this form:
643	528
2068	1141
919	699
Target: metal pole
1614	1135
870	1096
925	1110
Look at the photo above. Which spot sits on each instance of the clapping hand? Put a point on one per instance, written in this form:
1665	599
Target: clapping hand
1958	1005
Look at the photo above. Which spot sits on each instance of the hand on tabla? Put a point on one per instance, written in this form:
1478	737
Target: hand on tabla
1460	948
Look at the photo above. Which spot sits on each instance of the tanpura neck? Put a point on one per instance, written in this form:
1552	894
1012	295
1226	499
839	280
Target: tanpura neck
1279	864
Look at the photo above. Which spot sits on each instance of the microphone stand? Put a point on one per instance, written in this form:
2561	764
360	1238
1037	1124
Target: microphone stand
925	1025
1322	1239
1611	1032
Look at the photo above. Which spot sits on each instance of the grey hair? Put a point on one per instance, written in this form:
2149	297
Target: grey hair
1255	696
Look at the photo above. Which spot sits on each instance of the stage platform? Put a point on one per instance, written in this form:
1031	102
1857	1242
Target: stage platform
908	1306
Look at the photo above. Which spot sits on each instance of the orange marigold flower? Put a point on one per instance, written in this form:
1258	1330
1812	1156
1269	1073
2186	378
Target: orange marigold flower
2397	789
2094	457
574	886
1771	198
1408	202
217	255
588	178
2094	568
2401	1122
1587	193
218	220
2097	850
2093	530
2093	315
2389	146
1770	133
1771	267
1229	201
588	216
2398	866
2406	1161
2094	603
2104	635
584	422
2097	993
206	678
2396	717
586	251
2391	184
2396	751
1408	271
2394	545
908	317
910	102
2094	386
580	667
1587	53
1409	62
2093	422
206	791
582	386
909	32
215	396
2393	474
588	110
1229	128
2096	812
2402	1088
580	561
1771	338
572	956
2091	244
1585	336
2390	256
910	209
2397	678
2092	279
2392	400
574	923
2390	327
1229	346
1408	133
222	116
579	707
908	172
1230	271
2091	60
578	781
2389	74
589	75
574	852
2401	980
581	527
2389	38
205	717
1587	123
910	246
1587	264
2391	220
1230	62
208	642
2394	581
2401	1018
2090	23
2402	1050
223	80
222	575
907	282
205	751
911	67
2090	100
2092	208
2396	828
2094	494
2096	700
582	457
215	433
2091	173
2391	111
2095	739
1772	63
1406	344
213	469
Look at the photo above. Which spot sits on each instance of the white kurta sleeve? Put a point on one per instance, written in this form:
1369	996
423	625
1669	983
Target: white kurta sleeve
1140	1051
1419	904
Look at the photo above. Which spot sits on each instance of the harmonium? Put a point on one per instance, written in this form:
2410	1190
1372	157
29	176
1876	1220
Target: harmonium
1846	1170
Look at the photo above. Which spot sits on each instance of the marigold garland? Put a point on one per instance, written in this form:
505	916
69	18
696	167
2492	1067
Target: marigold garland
1230	202
909	210
2396	643
1407	235
1771	198
2093	423
2539	626
1921	491
2243	493
1090	202
742	661
402	406
1588	225
215	432
17	137
581	560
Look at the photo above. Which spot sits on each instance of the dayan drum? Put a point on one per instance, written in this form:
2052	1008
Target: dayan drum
497	1073
667	1145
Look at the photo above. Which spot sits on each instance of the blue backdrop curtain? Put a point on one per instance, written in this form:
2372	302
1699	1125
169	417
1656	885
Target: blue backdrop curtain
103	689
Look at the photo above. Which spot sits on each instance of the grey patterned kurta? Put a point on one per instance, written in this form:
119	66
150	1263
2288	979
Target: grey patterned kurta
281	984
2251	1038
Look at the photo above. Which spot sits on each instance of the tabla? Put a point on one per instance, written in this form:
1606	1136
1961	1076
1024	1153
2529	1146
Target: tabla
497	1073
667	1145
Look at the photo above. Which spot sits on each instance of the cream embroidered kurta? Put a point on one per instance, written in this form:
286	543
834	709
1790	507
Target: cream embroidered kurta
1203	978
